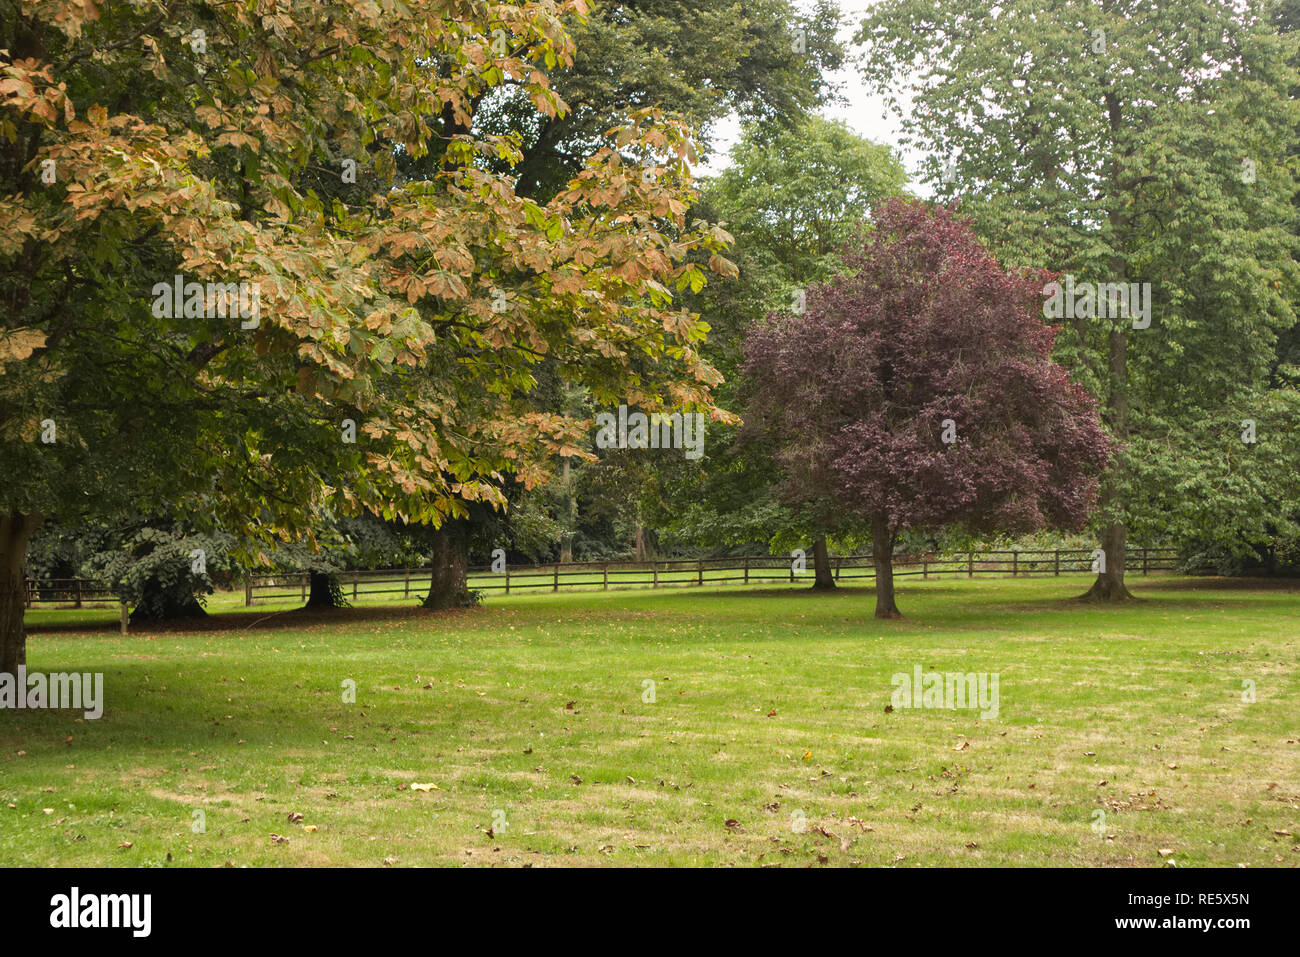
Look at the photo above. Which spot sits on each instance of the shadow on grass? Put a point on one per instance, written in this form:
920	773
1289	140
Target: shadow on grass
236	621
1223	583
246	620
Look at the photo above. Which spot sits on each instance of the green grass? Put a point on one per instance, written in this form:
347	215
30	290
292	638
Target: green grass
533	706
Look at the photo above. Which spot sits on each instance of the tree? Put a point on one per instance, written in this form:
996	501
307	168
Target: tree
380	358
918	392
162	571
762	60
1125	142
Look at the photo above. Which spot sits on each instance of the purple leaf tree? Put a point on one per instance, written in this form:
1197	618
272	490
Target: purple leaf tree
918	391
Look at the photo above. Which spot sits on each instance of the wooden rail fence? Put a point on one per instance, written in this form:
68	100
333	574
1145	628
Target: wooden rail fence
410	583
766	569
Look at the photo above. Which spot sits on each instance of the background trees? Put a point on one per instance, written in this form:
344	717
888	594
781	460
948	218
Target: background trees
762	60
469	235
918	391
1130	142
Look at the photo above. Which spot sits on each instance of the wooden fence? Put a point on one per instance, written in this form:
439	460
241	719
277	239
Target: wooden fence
762	570
68	591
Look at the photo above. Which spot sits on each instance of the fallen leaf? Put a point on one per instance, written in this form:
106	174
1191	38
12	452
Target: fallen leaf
425	787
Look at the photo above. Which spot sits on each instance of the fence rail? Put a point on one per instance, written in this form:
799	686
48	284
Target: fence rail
65	591
766	569
383	584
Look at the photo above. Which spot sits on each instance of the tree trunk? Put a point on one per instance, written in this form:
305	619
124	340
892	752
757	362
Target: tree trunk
449	582
570	514
1109	585
825	578
325	591
882	556
645	544
15	532
160	603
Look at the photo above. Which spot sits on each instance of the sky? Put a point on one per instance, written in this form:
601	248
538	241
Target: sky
863	110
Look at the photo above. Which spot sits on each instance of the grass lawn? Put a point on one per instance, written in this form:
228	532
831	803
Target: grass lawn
767	742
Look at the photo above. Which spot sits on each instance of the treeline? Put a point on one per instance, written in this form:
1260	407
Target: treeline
474	228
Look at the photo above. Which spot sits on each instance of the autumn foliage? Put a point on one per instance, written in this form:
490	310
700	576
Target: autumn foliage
326	153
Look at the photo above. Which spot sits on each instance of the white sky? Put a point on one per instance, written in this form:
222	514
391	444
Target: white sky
863	110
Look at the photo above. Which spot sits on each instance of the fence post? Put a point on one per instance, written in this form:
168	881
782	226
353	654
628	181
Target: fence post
507	579
746	570
654	568
1145	565
1058	561
701	571
925	568
78	592
970	564
839	560
1015	564
555	577
248	589
355	576
406	586
605	585
304	586
125	616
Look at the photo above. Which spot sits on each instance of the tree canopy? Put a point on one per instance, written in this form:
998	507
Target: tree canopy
385	364
918	391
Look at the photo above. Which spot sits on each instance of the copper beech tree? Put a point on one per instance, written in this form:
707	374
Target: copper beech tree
918	391
386	362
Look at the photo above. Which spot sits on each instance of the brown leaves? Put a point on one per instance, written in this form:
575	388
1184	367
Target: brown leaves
19	343
355	291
